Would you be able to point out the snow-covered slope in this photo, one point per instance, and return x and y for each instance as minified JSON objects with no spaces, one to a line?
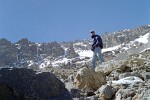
{"x":63,"y":60}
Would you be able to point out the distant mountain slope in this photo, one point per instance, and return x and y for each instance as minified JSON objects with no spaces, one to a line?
{"x":71,"y":54}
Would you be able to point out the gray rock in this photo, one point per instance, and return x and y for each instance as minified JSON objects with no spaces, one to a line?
{"x":25,"y":83}
{"x":124,"y":93}
{"x":8,"y":52}
{"x":145,"y":95}
{"x":75,"y":93}
{"x":78,"y":98}
{"x":93,"y":98}
{"x":106,"y":91}
{"x":146,"y":76}
{"x":71,"y":52}
{"x":129,"y":98}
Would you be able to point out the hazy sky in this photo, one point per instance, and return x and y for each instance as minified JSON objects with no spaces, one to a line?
{"x":65,"y":20}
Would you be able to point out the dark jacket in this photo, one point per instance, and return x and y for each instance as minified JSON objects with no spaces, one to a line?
{"x":97,"y":42}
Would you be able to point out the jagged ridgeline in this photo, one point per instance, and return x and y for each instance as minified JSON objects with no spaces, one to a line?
{"x":61,"y":71}
{"x":25,"y":53}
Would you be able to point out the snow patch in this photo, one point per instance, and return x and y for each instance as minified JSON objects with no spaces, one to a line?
{"x":111,"y":48}
{"x":121,"y":36}
{"x":30,"y":62}
{"x":85,"y":53}
{"x":65,"y":54}
{"x":129,"y":80}
{"x":44,"y":63}
{"x":38,"y":44}
{"x":143,"y":39}
{"x":80,"y":43}
{"x":60,"y":61}
{"x":144,"y":50}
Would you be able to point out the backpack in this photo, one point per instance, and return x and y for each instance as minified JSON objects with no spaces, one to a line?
{"x":101,"y":42}
{"x":101,"y":46}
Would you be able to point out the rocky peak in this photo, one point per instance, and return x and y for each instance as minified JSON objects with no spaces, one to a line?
{"x":4,"y":41}
{"x":124,"y":36}
{"x":7,"y":52}
{"x":53,"y":49}
{"x":71,"y":52}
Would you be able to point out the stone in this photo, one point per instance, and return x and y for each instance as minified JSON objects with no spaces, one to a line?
{"x":7,"y":94}
{"x":106,"y":91}
{"x":106,"y":69}
{"x":75,"y":93}
{"x":27,"y":84}
{"x":125,"y":93}
{"x":135,"y":97}
{"x":147,"y":66}
{"x":146,"y":76}
{"x":93,"y":98}
{"x":88,"y":79}
{"x":118,"y":96}
{"x":138,"y":61}
{"x":71,"y":52}
{"x":145,"y":95}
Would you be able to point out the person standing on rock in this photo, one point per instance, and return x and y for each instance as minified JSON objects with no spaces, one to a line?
{"x":96,"y":47}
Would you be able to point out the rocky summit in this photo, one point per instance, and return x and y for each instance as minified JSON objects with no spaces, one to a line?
{"x":62,"y":71}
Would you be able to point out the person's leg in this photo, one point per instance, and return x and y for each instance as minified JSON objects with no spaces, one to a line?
{"x":94,"y":59}
{"x":99,"y":55}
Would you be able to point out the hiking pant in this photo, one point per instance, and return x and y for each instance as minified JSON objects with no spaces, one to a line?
{"x":97,"y":56}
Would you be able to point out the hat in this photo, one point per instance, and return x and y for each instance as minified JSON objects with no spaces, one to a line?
{"x":92,"y":31}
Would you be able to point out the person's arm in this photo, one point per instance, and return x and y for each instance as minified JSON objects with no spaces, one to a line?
{"x":97,"y":41}
{"x":94,"y":44}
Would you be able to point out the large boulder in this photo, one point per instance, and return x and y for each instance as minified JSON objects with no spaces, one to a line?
{"x":88,"y":79}
{"x":27,"y":84}
{"x":105,"y":68}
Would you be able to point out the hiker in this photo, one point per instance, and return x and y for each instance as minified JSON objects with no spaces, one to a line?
{"x":96,"y":48}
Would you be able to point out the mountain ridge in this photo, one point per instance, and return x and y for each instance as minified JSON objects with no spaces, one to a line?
{"x":40,"y":55}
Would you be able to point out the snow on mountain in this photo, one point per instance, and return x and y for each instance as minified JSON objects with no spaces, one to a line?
{"x":143,"y":39}
{"x":40,"y":55}
{"x":88,"y":53}
{"x":85,"y":53}
{"x":111,"y":48}
{"x":145,"y":50}
{"x":60,"y":61}
{"x":80,"y":43}
{"x":45,"y":63}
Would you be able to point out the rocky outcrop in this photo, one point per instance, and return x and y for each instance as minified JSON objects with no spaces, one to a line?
{"x":88,"y":79}
{"x":8,"y":52}
{"x":27,"y":84}
{"x":71,"y":52}
{"x":26,"y":49}
{"x":125,"y":36}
